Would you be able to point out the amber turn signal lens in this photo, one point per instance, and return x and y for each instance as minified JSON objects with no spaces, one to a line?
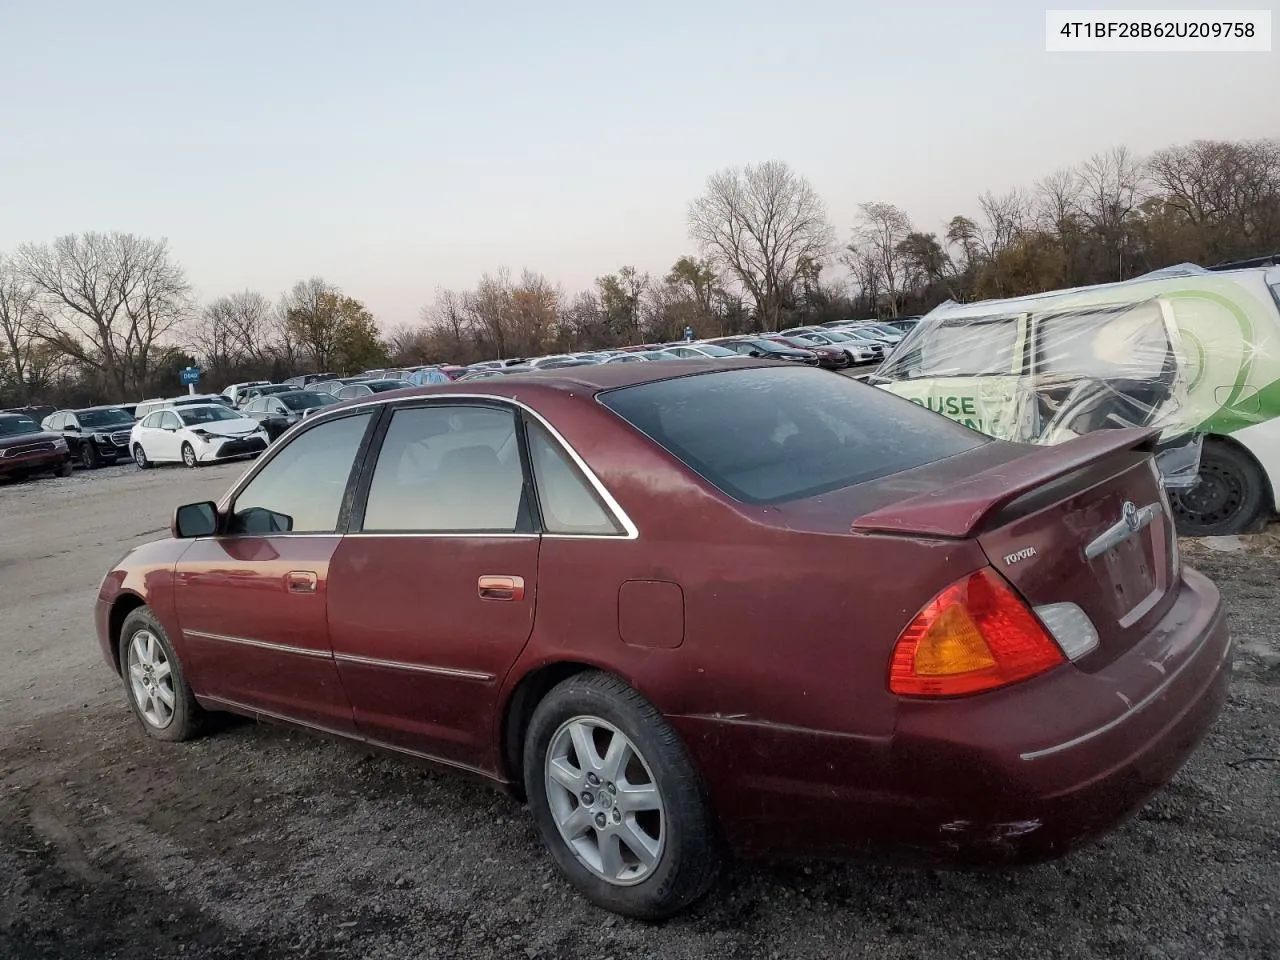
{"x":975,"y":635}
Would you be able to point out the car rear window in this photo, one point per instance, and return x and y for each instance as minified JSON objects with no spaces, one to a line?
{"x":773,"y":435}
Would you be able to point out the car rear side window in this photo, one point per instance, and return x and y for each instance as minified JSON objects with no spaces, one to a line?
{"x":447,"y":469}
{"x":773,"y":435}
{"x":306,"y":481}
{"x":568,"y":504}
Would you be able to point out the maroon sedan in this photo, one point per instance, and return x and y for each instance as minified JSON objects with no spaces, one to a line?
{"x":26,"y":449}
{"x":581,"y":585}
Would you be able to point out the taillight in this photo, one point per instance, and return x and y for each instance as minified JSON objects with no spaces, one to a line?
{"x":975,"y":635}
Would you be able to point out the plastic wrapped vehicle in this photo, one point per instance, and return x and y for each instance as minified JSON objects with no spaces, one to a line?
{"x":1190,"y":352}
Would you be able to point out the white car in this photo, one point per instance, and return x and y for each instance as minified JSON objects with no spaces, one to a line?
{"x":195,"y":434}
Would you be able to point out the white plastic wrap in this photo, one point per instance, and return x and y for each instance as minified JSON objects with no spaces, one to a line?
{"x":1044,"y":371}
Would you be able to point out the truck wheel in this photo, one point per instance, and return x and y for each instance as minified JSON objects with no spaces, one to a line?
{"x":1230,"y":495}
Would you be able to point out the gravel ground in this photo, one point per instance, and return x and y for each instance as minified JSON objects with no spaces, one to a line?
{"x":262,"y":842}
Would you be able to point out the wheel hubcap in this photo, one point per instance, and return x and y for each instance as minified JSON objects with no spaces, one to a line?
{"x":1218,"y":495}
{"x":139,"y":457}
{"x":151,"y":679}
{"x":605,"y":801}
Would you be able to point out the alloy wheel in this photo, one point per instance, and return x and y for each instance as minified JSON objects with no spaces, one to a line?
{"x":605,"y":801}
{"x":151,"y":679}
{"x":188,"y":455}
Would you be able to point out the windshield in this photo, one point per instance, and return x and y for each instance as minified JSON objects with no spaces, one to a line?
{"x":193,"y":415}
{"x":767,"y":435}
{"x":16,"y":426}
{"x":970,"y":347}
{"x":92,"y":419}
{"x":306,"y":400}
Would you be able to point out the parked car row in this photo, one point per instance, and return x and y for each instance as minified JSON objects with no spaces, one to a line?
{"x":246,"y":417}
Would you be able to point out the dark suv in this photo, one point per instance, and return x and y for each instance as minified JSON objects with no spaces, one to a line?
{"x":95,"y":435}
{"x":25,"y":449}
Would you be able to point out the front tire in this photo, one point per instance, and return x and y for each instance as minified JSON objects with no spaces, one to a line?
{"x":64,"y":468}
{"x":89,"y":458}
{"x":154,"y":682}
{"x":617,"y":800}
{"x":189,"y":455}
{"x":1230,"y":497}
{"x":140,"y":457}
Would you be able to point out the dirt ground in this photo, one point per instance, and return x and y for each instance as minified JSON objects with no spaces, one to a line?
{"x":259,"y":842}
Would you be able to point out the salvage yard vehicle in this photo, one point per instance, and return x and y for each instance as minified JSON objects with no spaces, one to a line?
{"x":1191,"y":352}
{"x":194,"y":434}
{"x":579,"y":584}
{"x":26,"y":449}
{"x":278,"y":412}
{"x":95,"y":435}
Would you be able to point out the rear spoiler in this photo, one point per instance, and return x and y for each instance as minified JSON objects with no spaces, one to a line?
{"x":956,"y":511}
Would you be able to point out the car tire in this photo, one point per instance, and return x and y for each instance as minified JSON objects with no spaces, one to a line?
{"x":140,"y":457}
{"x":89,"y":458}
{"x":1231,"y":494}
{"x":154,"y":682}
{"x":189,"y":455}
{"x":65,"y":468}
{"x":681,"y":830}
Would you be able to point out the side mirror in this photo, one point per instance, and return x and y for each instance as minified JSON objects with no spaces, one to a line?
{"x":755,"y":353}
{"x":195,"y":520}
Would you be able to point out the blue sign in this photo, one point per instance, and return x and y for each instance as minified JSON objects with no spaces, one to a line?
{"x":190,"y":375}
{"x":688,"y":333}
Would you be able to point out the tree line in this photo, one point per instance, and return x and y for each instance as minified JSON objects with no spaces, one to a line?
{"x":111,"y":316}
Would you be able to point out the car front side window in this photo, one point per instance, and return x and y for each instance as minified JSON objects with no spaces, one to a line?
{"x":301,"y":489}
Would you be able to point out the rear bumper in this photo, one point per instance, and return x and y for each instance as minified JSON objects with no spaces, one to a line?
{"x":1019,"y":775}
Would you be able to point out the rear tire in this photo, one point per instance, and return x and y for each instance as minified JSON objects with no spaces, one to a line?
{"x":1230,"y":497}
{"x":154,"y":681}
{"x":672,"y":819}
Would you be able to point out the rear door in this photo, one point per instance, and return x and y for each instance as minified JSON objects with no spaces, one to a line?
{"x":432,"y":593}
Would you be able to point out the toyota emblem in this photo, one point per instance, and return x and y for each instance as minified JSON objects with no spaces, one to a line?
{"x":1129,"y":514}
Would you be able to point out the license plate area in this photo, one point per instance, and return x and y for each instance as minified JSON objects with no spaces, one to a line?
{"x":1134,"y":574}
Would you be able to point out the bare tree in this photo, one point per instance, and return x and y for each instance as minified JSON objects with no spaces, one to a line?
{"x":19,"y":344}
{"x":760,"y":223}
{"x":311,"y":322}
{"x":879,"y":234}
{"x":107,"y":300}
{"x":1110,"y":190}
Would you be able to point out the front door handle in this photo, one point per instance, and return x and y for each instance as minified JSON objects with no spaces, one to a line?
{"x":300,"y":581}
{"x":501,"y":588}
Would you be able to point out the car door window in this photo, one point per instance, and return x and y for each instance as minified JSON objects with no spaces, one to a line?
{"x":170,"y":421}
{"x":568,"y":504}
{"x":447,"y":469}
{"x":301,"y":488}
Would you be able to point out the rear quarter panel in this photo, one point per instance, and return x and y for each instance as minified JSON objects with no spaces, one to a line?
{"x":781,"y":627}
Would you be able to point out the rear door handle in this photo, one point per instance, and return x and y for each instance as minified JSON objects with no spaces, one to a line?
{"x":501,"y":588}
{"x":300,"y":581}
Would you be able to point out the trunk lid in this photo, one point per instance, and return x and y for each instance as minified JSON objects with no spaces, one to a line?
{"x":1085,"y":522}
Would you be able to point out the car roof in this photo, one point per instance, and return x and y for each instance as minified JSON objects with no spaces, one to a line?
{"x":100,"y":406}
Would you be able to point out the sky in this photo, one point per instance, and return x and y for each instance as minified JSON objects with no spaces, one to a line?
{"x":395,"y":148}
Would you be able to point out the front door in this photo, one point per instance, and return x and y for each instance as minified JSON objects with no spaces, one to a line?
{"x":432,"y":593}
{"x":252,"y":601}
